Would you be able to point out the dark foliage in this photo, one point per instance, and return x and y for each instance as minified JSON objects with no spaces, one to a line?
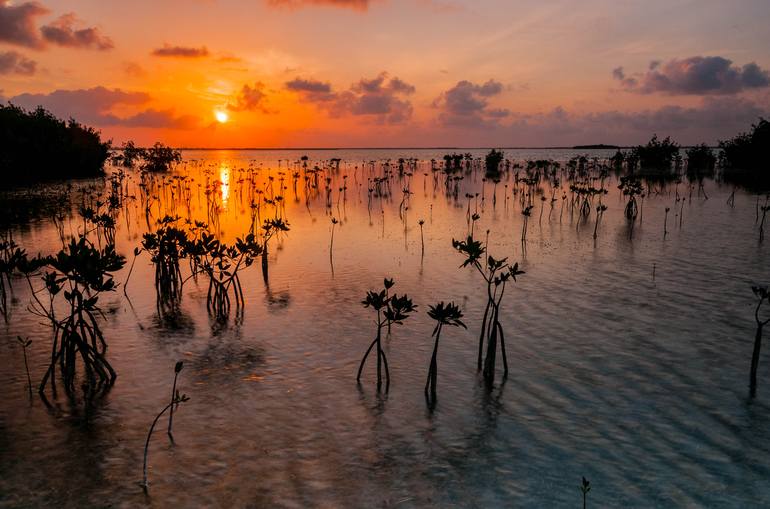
{"x":746,"y":157}
{"x":656,"y":159}
{"x":37,"y":146}
{"x":701,"y":162}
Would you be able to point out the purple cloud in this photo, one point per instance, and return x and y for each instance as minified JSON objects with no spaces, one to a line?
{"x":694,"y":76}
{"x":17,"y":23}
{"x":169,"y":51}
{"x":63,"y":33}
{"x":468,"y":104}
{"x":12,"y":62}
{"x":381,"y":98}
{"x":93,"y":106}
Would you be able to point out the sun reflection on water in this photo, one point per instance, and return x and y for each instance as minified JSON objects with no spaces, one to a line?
{"x":224,"y":178}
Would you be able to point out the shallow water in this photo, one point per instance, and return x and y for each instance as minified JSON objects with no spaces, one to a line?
{"x":629,"y":359}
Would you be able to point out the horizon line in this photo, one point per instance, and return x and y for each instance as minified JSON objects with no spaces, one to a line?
{"x":331,"y":149}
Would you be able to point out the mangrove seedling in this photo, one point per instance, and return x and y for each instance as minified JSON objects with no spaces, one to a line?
{"x":391,"y":309}
{"x":12,"y":259}
{"x":270,"y":229}
{"x":421,"y":222}
{"x":444,"y":314}
{"x":24,"y":344}
{"x":585,"y":487}
{"x":527,"y":212}
{"x":177,"y":368}
{"x":496,"y":273}
{"x":166,"y":247}
{"x":221,"y":264}
{"x":331,"y":242}
{"x":599,"y":213}
{"x":176,"y":400}
{"x":762,"y":294}
{"x":80,"y":273}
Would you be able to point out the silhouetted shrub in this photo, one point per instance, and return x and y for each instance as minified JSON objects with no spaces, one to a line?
{"x":745,"y":158}
{"x":159,"y":158}
{"x":655,"y":159}
{"x":492,"y":162}
{"x":701,"y":162}
{"x":36,"y":146}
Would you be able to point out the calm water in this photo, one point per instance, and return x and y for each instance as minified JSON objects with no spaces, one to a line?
{"x":629,"y":358}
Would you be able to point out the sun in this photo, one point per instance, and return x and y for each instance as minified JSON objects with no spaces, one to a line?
{"x":221,"y":116}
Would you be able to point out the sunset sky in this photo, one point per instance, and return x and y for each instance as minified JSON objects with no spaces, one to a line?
{"x":387,"y":73}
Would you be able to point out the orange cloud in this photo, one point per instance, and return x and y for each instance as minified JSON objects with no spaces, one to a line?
{"x":181,"y":52}
{"x":62,"y":32}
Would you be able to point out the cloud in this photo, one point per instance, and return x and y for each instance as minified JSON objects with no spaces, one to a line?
{"x":94,"y":106}
{"x":468,"y":104}
{"x":713,"y":119}
{"x":134,"y":70}
{"x":310,"y":86}
{"x":152,"y":118}
{"x":694,"y":76}
{"x":381,"y":98}
{"x":250,"y":99}
{"x":359,"y":5}
{"x":17,"y":23}
{"x":181,"y":52}
{"x":63,"y":33}
{"x":12,"y":62}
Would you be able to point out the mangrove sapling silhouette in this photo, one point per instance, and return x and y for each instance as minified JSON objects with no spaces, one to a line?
{"x":159,"y":158}
{"x":270,"y":228}
{"x":177,"y":369}
{"x":599,"y":213}
{"x":391,"y":309}
{"x":166,"y":247}
{"x":421,"y":222}
{"x":331,"y":241}
{"x":496,"y":274}
{"x":24,"y":344}
{"x":762,"y":294}
{"x":130,"y":155}
{"x":585,"y":487}
{"x":176,"y":400}
{"x":444,"y":314}
{"x":631,"y":187}
{"x":80,"y":273}
{"x":527,"y":212}
{"x":221,"y":263}
{"x":12,"y":259}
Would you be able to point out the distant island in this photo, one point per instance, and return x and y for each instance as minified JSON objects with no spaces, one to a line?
{"x":600,"y":146}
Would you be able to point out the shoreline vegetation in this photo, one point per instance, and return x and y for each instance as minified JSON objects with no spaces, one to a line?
{"x":50,"y":149}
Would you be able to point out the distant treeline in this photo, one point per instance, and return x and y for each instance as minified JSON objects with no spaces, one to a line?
{"x":35,"y":146}
{"x":742,"y":160}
